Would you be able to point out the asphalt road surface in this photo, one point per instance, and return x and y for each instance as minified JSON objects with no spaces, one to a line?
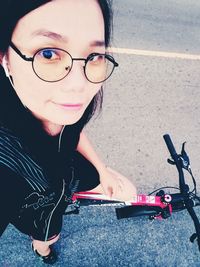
{"x":150,"y":94}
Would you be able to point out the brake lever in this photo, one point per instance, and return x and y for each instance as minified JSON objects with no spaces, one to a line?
{"x":185,"y":161}
{"x":170,"y":161}
{"x":184,"y":158}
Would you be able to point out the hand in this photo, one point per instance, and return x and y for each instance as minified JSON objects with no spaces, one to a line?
{"x":117,"y":186}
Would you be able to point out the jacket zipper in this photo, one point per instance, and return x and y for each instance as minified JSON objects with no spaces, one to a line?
{"x":49,"y":222}
{"x":63,"y":189}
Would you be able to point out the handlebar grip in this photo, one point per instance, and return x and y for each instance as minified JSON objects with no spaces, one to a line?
{"x":170,"y":145}
{"x":135,"y":211}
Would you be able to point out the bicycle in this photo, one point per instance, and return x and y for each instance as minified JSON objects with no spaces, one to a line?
{"x":159,"y":206}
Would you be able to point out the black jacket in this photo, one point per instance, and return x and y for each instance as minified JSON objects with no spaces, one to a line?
{"x":34,"y":189}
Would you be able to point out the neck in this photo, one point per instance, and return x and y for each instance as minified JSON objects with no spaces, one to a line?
{"x":52,"y":129}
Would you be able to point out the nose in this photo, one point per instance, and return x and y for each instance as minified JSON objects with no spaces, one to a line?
{"x":75,"y":80}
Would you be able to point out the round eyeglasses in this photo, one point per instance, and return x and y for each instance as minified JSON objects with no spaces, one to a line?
{"x":54,"y":64}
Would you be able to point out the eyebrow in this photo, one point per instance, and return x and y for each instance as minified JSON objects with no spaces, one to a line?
{"x":58,"y":37}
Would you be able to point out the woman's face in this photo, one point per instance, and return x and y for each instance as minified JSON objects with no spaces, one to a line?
{"x":75,"y":26}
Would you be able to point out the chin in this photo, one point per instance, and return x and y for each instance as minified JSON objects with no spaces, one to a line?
{"x":68,"y":120}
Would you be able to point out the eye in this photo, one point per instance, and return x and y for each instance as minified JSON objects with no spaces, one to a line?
{"x":96,"y":58}
{"x":49,"y":54}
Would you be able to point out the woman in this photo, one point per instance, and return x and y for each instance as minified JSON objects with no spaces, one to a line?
{"x":54,"y":63}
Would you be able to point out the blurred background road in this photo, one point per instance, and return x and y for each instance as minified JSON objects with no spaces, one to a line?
{"x":147,"y":97}
{"x":171,"y":25}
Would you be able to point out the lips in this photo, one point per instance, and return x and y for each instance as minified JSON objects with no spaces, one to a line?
{"x":71,"y":106}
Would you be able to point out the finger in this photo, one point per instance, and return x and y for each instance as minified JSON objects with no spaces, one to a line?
{"x":108,"y":191}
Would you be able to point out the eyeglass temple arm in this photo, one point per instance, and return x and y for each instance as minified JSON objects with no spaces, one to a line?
{"x":19,"y":53}
{"x":112,"y":60}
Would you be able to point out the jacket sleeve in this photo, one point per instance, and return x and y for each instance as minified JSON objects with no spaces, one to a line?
{"x":11,"y":193}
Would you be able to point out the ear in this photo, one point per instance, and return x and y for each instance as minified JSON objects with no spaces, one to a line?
{"x":4,"y":64}
{"x":1,"y":57}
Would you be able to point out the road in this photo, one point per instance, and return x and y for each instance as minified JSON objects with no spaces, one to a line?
{"x":172,"y":25}
{"x":148,"y":96}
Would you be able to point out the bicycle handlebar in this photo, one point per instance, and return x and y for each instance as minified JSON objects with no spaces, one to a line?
{"x":170,"y":145}
{"x":182,"y":162}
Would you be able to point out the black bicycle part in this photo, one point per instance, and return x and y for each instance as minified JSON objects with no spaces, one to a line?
{"x":177,"y":160}
{"x":182,"y":162}
{"x":135,"y":211}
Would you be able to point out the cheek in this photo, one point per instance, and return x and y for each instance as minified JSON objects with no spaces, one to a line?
{"x":27,"y":86}
{"x":19,"y":68}
{"x":93,"y":89}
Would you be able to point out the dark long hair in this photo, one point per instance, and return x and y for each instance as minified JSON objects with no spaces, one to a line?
{"x":12,"y":113}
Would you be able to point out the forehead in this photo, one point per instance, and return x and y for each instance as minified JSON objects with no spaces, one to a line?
{"x":70,"y":19}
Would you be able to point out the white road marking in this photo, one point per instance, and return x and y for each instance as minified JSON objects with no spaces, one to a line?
{"x":150,"y":53}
